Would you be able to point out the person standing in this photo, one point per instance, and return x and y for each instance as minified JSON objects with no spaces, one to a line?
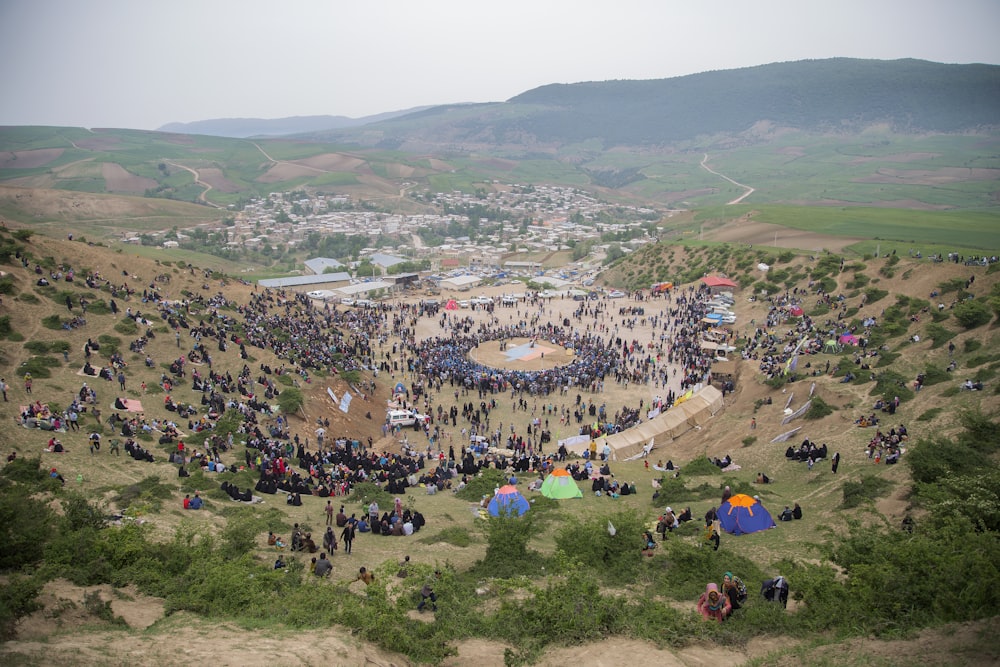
{"x":27,"y":383}
{"x":121,"y":380}
{"x":330,"y":540}
{"x":329,"y":513}
{"x":836,"y":462}
{"x":3,"y":388}
{"x":347,"y":537}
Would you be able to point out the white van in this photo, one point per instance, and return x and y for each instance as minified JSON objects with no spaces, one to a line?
{"x":404,"y":418}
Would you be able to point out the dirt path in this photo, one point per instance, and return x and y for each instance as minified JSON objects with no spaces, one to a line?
{"x":198,"y":181}
{"x":749,"y":190}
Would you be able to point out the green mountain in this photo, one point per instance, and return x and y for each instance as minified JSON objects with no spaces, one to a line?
{"x":840,"y":95}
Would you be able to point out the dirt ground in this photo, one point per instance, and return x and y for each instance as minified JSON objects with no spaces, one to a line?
{"x":748,"y":231}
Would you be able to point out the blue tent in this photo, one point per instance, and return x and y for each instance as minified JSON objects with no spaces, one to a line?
{"x":744,"y":514}
{"x":509,"y":501}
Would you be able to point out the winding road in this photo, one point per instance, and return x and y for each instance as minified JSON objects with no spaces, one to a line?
{"x":749,"y":190}
{"x":197,"y":181}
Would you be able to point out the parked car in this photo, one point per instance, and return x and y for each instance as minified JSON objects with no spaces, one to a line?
{"x":616,"y":294}
{"x":404,"y":418}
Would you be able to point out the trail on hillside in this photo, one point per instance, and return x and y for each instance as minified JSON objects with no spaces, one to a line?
{"x":749,"y":190}
{"x":198,"y":181}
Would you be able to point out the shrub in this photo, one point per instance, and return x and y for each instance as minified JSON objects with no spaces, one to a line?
{"x":52,"y":322}
{"x":874,"y":295}
{"x":507,"y":553}
{"x":5,"y":328}
{"x":98,"y":307}
{"x":972,"y":314}
{"x":971,"y":345}
{"x":453,"y":535}
{"x":28,"y":297}
{"x":366,"y":492}
{"x":127,"y":326}
{"x":934,"y":375}
{"x":149,"y":492}
{"x":938,"y":334}
{"x":889,"y":384}
{"x":864,"y":490}
{"x":818,"y":409}
{"x":18,"y":598}
{"x":39,"y":366}
{"x":701,"y":465}
{"x":613,"y":558}
{"x":290,"y":400}
{"x":930,"y":414}
{"x":109,"y":344}
{"x":482,"y":484}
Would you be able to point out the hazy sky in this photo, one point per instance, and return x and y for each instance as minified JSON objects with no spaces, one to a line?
{"x":141,"y":64}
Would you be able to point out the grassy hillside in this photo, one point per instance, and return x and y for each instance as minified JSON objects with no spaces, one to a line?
{"x":519,"y":590}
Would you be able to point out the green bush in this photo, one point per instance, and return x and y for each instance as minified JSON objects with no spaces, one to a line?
{"x":52,"y":322}
{"x":818,"y":409}
{"x":127,"y":327}
{"x":98,"y":307}
{"x":507,"y":552}
{"x":929,"y":415}
{"x":972,"y":314}
{"x":482,"y":484}
{"x":39,"y":366}
{"x":28,"y":297}
{"x":701,"y":465}
{"x":612,"y":558}
{"x":453,"y":535}
{"x":109,"y":344}
{"x":18,"y":598}
{"x":971,"y":345}
{"x":874,"y":295}
{"x":934,"y":375}
{"x":5,"y":327}
{"x":291,"y":400}
{"x":864,"y":490}
{"x":939,"y":335}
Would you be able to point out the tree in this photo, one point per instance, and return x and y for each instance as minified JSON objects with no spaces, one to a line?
{"x":291,"y":400}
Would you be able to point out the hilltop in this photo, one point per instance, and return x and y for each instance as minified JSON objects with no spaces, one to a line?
{"x":912,"y":337}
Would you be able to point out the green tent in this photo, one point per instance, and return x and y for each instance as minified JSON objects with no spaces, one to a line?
{"x":560,"y":484}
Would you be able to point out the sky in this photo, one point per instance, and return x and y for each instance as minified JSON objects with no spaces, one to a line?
{"x":139,"y":64}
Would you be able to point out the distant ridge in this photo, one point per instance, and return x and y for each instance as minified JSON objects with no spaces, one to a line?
{"x":833,"y":95}
{"x":239,"y":128}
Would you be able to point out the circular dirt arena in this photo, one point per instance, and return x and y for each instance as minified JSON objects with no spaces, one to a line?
{"x":520,"y":354}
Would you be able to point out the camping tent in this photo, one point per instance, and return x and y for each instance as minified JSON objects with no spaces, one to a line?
{"x":831,"y":347}
{"x":744,"y":514}
{"x":795,"y":311}
{"x":848,"y":339}
{"x":508,"y":501}
{"x":451,"y":305}
{"x":560,"y":484}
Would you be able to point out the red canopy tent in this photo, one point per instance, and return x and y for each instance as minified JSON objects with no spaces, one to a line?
{"x":716,"y":281}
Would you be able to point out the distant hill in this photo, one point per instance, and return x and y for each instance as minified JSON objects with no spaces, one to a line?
{"x":240,"y":128}
{"x":834,"y":95}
